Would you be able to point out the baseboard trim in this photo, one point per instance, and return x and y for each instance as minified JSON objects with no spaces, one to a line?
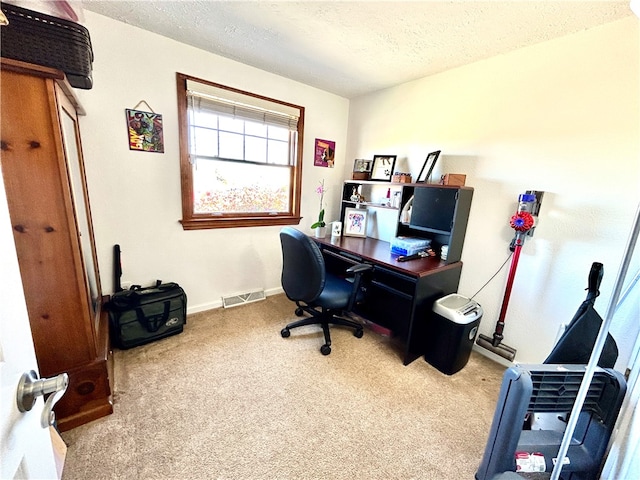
{"x":218,"y":303}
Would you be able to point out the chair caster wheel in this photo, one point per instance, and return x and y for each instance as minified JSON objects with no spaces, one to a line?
{"x":325,"y":349}
{"x":285,"y":332}
{"x":358,"y":333}
{"x":299,"y":312}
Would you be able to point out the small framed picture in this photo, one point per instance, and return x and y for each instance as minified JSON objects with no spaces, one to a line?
{"x":355,"y":222}
{"x":336,"y":229}
{"x":361,"y":165}
{"x":361,"y":169}
{"x":382,"y":168}
{"x":427,"y":167}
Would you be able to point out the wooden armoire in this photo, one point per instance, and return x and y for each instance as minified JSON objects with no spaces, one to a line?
{"x":43,"y":171}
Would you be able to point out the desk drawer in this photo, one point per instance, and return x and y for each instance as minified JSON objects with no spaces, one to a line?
{"x":389,"y":300}
{"x":401,"y":285}
{"x":387,"y":308}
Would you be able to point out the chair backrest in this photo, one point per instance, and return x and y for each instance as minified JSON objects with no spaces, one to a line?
{"x":303,"y":268}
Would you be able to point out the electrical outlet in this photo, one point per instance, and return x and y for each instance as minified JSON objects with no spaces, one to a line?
{"x":126,"y":285}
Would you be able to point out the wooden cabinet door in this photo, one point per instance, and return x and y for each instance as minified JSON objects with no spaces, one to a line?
{"x":34,"y":172}
{"x":79,"y":197}
{"x":43,"y":173}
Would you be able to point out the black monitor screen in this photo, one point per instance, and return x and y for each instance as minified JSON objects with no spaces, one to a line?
{"x":433,"y":208}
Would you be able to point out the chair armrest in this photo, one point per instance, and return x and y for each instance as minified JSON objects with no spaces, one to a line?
{"x":357,"y":270}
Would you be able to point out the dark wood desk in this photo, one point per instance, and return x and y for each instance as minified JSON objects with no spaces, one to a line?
{"x":399,"y":295}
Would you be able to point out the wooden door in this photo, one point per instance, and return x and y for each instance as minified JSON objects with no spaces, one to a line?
{"x":25,"y":447}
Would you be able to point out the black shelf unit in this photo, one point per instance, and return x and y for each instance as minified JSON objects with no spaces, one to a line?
{"x":439,"y":213}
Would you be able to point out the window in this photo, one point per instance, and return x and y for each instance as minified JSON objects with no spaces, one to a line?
{"x":240,"y":157}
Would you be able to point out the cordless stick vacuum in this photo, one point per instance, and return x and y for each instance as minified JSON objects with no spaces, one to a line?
{"x":523,"y":222}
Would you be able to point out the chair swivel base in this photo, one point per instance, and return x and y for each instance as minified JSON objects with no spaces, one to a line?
{"x":334,"y":320}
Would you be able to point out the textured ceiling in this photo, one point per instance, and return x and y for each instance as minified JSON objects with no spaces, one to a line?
{"x":352,"y":48}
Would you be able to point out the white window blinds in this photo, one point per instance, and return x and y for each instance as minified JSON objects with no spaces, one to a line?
{"x":221,"y":101}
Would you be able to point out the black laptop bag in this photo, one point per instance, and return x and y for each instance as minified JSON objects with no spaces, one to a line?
{"x":141,"y":315}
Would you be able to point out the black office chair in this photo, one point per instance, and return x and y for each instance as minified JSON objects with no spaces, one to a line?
{"x":324,"y":296}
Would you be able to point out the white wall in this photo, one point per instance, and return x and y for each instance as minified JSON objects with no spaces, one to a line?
{"x":135,"y":196}
{"x":562,"y":117}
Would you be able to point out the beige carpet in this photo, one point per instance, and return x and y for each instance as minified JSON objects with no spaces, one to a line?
{"x":229,"y":398}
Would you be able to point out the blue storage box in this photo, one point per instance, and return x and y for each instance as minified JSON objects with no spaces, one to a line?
{"x":409,"y":245}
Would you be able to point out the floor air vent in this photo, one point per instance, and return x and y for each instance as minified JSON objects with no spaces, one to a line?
{"x":243,"y":298}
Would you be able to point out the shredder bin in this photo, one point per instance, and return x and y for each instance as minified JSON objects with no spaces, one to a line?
{"x":452,"y":330}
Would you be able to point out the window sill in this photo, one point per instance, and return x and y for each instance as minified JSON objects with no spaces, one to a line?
{"x":202,"y":223}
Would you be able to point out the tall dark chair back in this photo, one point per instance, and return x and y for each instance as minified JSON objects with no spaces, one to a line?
{"x":303,"y":269}
{"x":327,"y":298}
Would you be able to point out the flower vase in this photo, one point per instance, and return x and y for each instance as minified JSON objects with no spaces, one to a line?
{"x":320,"y":232}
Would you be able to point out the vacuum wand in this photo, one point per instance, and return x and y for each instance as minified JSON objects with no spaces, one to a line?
{"x":523,"y":223}
{"x":495,"y":344}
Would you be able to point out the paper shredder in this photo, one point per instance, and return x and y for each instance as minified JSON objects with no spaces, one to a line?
{"x":452,"y":331}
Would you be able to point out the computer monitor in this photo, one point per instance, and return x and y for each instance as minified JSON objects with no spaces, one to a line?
{"x":433,"y":209}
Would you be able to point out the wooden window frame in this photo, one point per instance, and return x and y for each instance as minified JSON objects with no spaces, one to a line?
{"x":199,"y":221}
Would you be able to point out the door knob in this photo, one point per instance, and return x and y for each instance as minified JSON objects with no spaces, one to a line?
{"x":30,"y":388}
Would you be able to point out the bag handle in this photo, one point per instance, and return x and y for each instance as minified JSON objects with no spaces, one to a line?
{"x":595,"y":277}
{"x":153,"y":323}
{"x":131,"y":298}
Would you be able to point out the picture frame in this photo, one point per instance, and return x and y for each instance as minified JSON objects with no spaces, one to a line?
{"x":382,"y":167}
{"x":427,"y":167}
{"x":336,"y":229}
{"x":361,"y":169}
{"x":145,"y":131}
{"x":355,"y":222}
{"x":362,"y":165}
{"x":325,"y":153}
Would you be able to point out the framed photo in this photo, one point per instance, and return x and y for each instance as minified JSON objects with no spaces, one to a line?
{"x":355,"y":222}
{"x":382,"y":168}
{"x":427,"y":167}
{"x":362,"y":165}
{"x":361,"y":169}
{"x":336,"y":229}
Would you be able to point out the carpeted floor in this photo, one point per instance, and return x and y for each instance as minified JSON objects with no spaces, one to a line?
{"x":230,"y":399}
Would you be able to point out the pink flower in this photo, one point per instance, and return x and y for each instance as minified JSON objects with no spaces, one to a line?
{"x":320,"y":191}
